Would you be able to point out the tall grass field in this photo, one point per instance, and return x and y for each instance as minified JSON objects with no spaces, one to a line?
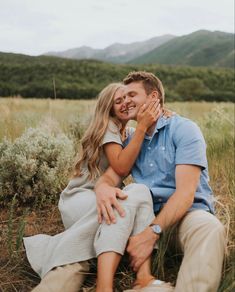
{"x":39,"y":139}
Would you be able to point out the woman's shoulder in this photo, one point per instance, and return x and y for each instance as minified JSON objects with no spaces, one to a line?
{"x":112,"y":134}
{"x":112,"y":127}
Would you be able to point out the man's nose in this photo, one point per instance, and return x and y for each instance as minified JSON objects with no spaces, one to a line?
{"x":127,"y":99}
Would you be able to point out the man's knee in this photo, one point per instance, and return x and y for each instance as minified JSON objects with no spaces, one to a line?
{"x":213,"y":224}
{"x":220,"y":235}
{"x":138,"y":194}
{"x":201,"y":225}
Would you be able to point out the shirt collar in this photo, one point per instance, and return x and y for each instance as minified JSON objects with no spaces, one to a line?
{"x":161,"y":123}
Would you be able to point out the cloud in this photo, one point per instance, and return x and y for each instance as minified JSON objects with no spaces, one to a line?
{"x":37,"y":26}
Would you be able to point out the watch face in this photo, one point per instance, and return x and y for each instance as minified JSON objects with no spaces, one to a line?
{"x":157,"y":229}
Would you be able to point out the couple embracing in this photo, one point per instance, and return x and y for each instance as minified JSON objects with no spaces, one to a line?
{"x":166,"y":156}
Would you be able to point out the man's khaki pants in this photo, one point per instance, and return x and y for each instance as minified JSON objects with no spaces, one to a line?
{"x":202,"y":239}
{"x":68,"y":278}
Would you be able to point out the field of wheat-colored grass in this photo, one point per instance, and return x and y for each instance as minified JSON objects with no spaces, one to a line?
{"x":71,"y":117}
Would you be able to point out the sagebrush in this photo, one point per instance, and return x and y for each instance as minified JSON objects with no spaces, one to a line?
{"x":35,"y":167}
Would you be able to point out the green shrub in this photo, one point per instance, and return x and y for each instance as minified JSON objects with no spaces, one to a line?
{"x":190,"y":88}
{"x":35,"y":167}
{"x":217,"y":95}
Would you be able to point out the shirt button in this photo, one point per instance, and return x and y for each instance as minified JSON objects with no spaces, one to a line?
{"x":163,"y":148}
{"x":149,"y":148}
{"x":159,"y":200}
{"x":151,"y":164}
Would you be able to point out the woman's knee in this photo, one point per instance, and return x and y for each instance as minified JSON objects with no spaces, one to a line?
{"x":138,"y":194}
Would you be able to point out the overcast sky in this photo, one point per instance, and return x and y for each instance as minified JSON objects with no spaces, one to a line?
{"x":37,"y":26}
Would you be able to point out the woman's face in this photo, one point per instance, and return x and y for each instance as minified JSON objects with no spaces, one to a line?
{"x":119,"y":107}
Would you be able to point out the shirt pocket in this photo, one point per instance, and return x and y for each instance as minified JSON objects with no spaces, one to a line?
{"x":166,"y":159}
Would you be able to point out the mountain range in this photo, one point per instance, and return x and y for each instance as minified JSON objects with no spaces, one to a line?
{"x":200,"y":48}
{"x":115,"y":53}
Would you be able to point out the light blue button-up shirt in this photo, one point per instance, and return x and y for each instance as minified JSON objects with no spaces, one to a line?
{"x":175,"y":140}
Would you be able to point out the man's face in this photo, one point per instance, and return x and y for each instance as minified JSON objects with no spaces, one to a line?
{"x":135,"y":97}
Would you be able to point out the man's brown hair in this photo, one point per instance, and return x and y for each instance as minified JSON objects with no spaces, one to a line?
{"x":150,"y":83}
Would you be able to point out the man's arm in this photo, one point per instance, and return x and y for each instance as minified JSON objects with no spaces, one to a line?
{"x":106,"y":196}
{"x":187,"y":177}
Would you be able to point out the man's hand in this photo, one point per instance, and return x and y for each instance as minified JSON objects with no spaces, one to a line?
{"x":140,"y":247}
{"x":106,"y":198}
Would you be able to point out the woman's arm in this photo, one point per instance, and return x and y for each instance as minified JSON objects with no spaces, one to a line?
{"x":122,"y":159}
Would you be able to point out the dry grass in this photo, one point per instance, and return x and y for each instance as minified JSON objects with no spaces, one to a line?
{"x":217,"y":123}
{"x":18,"y":114}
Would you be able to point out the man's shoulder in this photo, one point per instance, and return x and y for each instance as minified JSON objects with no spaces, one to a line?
{"x":181,"y":127}
{"x":177,"y":121}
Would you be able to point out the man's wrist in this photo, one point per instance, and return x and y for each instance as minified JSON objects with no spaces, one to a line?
{"x":156,"y":228}
{"x":153,"y":234}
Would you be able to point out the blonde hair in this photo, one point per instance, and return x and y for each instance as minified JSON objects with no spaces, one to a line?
{"x":91,"y":141}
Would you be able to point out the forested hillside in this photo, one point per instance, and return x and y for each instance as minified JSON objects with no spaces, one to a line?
{"x":200,"y":48}
{"x":83,"y":79}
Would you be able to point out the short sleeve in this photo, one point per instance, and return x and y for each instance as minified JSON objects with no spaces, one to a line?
{"x":190,"y":144}
{"x":112,"y":134}
{"x":129,"y":133}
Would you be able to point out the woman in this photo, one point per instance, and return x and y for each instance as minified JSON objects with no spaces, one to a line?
{"x":84,"y":238}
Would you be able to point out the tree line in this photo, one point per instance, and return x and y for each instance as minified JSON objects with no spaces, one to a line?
{"x":43,"y":77}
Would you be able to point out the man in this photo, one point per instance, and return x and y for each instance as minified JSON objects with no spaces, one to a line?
{"x":172,"y":163}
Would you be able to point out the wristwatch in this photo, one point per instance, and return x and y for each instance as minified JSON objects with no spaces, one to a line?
{"x":156,"y":228}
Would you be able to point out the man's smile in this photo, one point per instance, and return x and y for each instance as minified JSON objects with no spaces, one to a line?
{"x":131,"y":107}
